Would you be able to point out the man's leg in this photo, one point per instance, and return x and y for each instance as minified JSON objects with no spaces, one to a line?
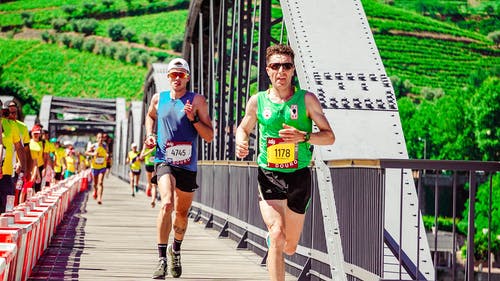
{"x":273,"y":214}
{"x":131,"y":180}
{"x":294,"y":222}
{"x":182,"y":204}
{"x":166,"y":185}
{"x":100,"y":187}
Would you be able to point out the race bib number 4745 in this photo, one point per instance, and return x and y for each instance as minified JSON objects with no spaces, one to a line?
{"x":280,"y":154}
{"x":178,"y":153}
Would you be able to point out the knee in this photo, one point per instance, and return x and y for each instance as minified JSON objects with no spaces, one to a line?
{"x":277,"y":236}
{"x":290,"y":249}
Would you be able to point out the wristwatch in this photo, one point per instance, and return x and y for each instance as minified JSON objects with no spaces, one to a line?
{"x":307,"y":136}
{"x":195,"y":120}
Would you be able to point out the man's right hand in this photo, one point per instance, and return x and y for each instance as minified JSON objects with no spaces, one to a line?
{"x":150,"y":141}
{"x":242,"y":149}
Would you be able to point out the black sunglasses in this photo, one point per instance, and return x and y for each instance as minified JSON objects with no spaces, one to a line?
{"x":276,"y":66}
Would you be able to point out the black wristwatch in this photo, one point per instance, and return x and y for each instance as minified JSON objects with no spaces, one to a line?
{"x":307,"y":136}
{"x":195,"y":120}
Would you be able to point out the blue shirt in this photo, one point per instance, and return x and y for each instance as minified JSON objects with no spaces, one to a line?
{"x":177,"y":141}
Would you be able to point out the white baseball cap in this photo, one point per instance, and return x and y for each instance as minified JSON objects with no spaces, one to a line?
{"x":178,"y":63}
{"x":133,"y":144}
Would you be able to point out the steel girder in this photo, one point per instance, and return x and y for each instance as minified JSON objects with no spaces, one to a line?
{"x":225,"y":42}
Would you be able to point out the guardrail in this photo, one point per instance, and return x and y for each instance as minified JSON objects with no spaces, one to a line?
{"x":227,"y":202}
{"x":26,"y":231}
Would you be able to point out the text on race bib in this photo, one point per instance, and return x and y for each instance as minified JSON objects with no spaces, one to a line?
{"x":280,"y":154}
{"x":178,"y":153}
{"x":99,"y":160}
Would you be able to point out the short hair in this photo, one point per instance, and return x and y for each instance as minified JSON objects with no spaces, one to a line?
{"x":279,"y":49}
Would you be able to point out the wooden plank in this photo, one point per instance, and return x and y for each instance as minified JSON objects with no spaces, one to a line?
{"x":117,"y":241}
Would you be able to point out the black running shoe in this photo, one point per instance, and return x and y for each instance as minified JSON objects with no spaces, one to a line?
{"x":175,"y":262}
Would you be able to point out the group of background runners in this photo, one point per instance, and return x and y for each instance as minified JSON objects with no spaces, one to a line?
{"x":31,"y":160}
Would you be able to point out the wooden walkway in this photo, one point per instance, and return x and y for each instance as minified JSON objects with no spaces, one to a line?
{"x":117,"y":241}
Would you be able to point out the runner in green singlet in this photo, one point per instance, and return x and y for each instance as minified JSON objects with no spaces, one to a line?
{"x":285,"y":117}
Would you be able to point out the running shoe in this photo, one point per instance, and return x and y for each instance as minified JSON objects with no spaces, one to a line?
{"x":161,"y":271}
{"x":175,"y":262}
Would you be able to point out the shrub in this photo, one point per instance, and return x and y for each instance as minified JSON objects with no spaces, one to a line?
{"x":146,"y":38}
{"x":176,"y":42}
{"x":129,"y":35}
{"x":115,"y":31}
{"x":121,"y":54}
{"x":88,"y":7}
{"x":58,"y":24}
{"x":134,"y":57}
{"x":45,"y":36}
{"x":77,"y":42}
{"x":144,"y":59}
{"x":495,"y":36}
{"x":66,"y":40}
{"x":27,"y":18}
{"x":111,"y":51}
{"x":108,"y":3}
{"x":88,"y":26}
{"x":101,"y":48}
{"x":431,"y":94}
{"x":69,"y":9}
{"x":160,"y":40}
{"x":89,"y":45}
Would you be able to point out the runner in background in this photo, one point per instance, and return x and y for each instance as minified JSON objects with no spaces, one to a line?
{"x":134,"y":159}
{"x":148,"y":154}
{"x":98,"y":154}
{"x":59,"y":155}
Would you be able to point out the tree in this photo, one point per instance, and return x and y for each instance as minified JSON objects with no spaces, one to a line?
{"x":58,"y":24}
{"x":115,"y":31}
{"x":28,"y":19}
{"x":88,"y":26}
{"x":485,"y":106}
{"x":108,"y":3}
{"x":481,"y":218}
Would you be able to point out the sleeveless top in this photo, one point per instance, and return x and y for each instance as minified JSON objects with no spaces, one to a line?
{"x":136,"y":165}
{"x":177,"y":138}
{"x":149,"y":157}
{"x":274,"y":154}
{"x":99,"y":160}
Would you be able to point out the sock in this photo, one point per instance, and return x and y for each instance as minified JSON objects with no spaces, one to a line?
{"x":176,"y":246}
{"x":162,"y":251}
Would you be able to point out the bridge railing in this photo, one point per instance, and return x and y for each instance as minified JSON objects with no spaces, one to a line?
{"x":227,"y":201}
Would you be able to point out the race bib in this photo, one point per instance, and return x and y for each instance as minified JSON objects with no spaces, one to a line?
{"x":99,"y":160}
{"x":280,"y":154}
{"x":178,"y":153}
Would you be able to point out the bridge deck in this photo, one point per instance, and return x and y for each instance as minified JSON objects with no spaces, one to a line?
{"x":117,"y":241}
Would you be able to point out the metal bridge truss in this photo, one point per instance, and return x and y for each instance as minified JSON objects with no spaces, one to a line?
{"x":337,"y":59}
{"x":63,"y":116}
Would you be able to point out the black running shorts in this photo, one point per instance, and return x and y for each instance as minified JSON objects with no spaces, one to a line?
{"x":185,"y":180}
{"x":295,"y":187}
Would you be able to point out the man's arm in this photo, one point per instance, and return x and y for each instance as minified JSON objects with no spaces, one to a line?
{"x":150,"y":140}
{"x":246,"y":127}
{"x":204,"y":126}
{"x":325,"y":136}
{"x":21,"y":155}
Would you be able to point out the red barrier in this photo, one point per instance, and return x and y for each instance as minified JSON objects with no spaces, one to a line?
{"x":30,"y":226}
{"x":8,"y":251}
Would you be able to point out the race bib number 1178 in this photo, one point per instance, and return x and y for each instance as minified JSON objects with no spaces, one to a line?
{"x":280,"y":154}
